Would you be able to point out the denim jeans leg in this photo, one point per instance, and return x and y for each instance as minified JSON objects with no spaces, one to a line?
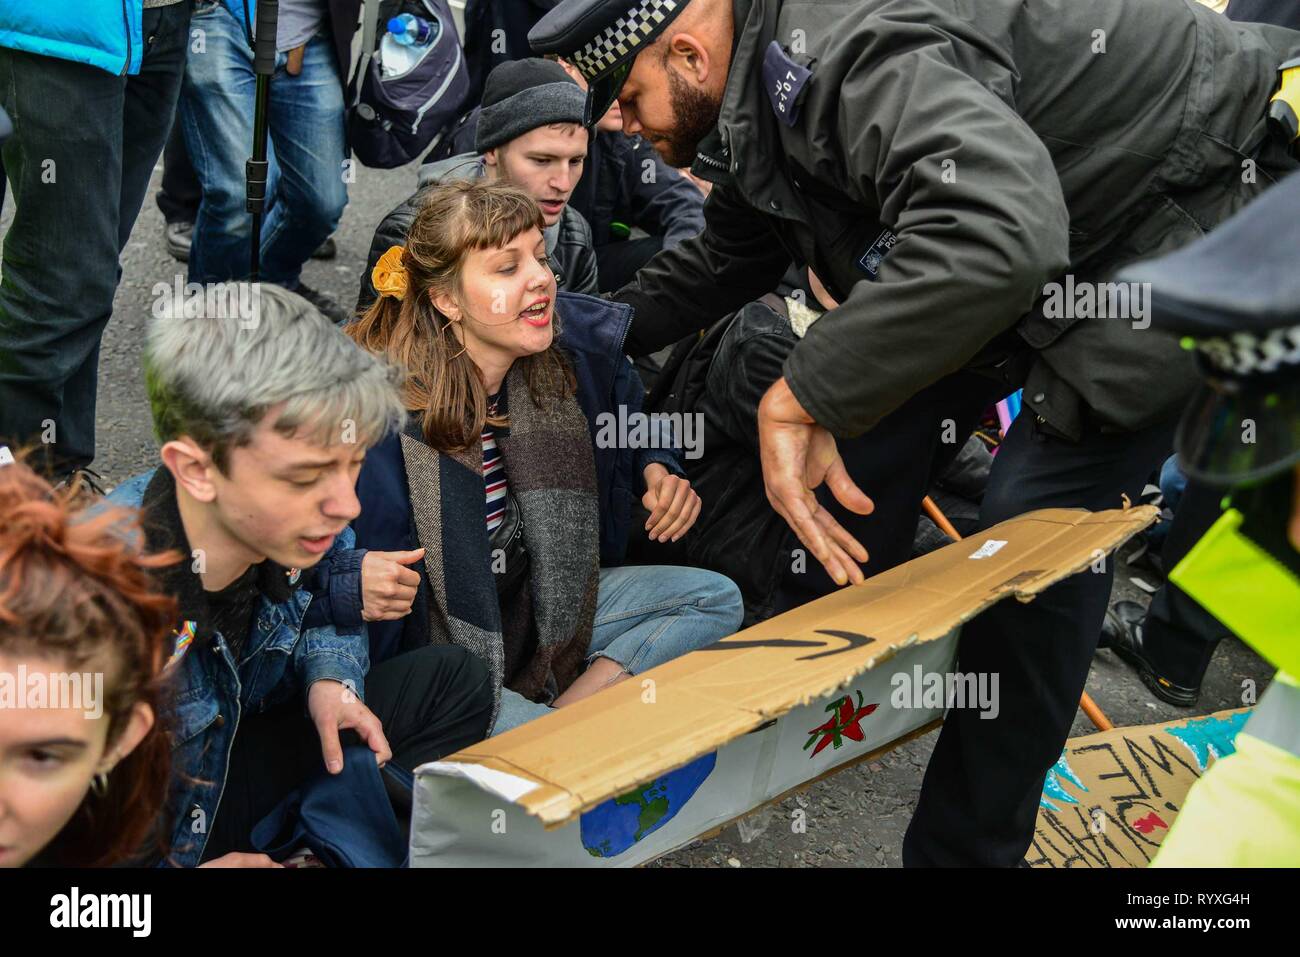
{"x":216,"y":112}
{"x":307,"y":133}
{"x":516,"y":710}
{"x":649,"y":614}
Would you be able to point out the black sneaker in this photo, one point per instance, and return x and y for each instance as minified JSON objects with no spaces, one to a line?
{"x":178,"y":237}
{"x":328,"y":305}
{"x":326,"y":250}
{"x":1121,"y":632}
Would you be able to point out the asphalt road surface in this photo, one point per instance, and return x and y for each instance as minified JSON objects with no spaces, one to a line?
{"x":854,"y":818}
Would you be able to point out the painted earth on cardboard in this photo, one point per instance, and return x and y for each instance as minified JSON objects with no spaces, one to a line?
{"x":611,"y":828}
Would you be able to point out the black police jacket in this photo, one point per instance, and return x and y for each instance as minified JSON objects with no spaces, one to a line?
{"x":939,"y":163}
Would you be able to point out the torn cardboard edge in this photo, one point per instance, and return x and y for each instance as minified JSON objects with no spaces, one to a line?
{"x":569,"y":761}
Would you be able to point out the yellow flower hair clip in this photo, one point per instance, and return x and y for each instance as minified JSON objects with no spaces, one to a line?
{"x":389,"y":275}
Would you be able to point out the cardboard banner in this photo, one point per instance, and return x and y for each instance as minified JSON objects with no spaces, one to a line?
{"x":652,"y":763}
{"x":479,"y":821}
{"x":1112,"y":797}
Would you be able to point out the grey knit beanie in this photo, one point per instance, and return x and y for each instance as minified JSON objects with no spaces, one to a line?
{"x":521,"y":95}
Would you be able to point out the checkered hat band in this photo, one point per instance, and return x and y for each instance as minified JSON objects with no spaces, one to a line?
{"x":1246,"y":354}
{"x":622,"y":37}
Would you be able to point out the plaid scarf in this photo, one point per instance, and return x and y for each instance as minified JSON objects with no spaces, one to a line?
{"x":549,"y":464}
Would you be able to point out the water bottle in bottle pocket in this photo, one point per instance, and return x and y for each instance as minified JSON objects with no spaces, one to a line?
{"x":407,"y":38}
{"x":412,"y":31}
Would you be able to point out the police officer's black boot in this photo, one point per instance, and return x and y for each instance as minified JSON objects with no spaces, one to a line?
{"x":1173,"y":670}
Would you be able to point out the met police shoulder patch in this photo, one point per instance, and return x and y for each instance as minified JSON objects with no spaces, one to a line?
{"x":784,"y":80}
{"x":870,"y":260}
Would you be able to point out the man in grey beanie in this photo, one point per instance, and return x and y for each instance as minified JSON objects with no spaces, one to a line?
{"x":531,"y":134}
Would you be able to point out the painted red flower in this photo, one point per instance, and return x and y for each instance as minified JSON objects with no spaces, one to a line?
{"x":843,"y":723}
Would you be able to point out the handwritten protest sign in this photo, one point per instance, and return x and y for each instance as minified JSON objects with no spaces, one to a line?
{"x":1112,"y":797}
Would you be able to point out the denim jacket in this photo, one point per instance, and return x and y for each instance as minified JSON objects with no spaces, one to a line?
{"x":280,"y":659}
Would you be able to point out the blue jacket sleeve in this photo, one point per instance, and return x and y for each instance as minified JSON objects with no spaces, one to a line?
{"x":331,"y":649}
{"x":336,"y":590}
{"x":630,"y":392}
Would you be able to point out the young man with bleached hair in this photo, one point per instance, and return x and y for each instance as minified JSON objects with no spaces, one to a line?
{"x":264,"y":420}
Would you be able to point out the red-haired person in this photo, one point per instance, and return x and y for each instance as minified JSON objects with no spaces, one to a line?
{"x":84,"y":638}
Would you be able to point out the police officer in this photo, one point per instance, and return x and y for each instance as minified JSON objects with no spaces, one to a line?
{"x":961,"y":177}
{"x":1235,"y":297}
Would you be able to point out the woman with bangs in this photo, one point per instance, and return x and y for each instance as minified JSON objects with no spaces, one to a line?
{"x":502,"y":512}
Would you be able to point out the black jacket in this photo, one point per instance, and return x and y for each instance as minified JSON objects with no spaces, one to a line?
{"x":941,"y":164}
{"x":1282,"y":13}
{"x":497,"y":31}
{"x":722,"y":376}
{"x":568,"y":242}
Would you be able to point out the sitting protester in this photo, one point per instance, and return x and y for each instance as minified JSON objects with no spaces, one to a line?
{"x":529,"y":134}
{"x":500,"y":471}
{"x":83,"y":776}
{"x":264,"y":423}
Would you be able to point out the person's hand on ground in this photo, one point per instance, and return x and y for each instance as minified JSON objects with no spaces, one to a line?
{"x":798,"y":455}
{"x":334,"y":706}
{"x":388,"y":587}
{"x":672,"y":503}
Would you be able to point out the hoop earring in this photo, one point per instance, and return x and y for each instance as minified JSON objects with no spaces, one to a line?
{"x":99,"y":784}
{"x":446,"y":326}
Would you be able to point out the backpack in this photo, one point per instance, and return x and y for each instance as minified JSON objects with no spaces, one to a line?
{"x":392,"y":119}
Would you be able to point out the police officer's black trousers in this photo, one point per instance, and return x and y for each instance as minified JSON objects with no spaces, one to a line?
{"x":979,"y":801}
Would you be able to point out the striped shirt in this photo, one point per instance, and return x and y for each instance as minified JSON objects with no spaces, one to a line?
{"x":494,"y":475}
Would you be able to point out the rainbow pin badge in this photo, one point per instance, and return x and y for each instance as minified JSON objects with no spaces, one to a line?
{"x":184,"y":638}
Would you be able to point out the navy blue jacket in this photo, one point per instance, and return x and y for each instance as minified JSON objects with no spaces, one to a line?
{"x":592,"y":332}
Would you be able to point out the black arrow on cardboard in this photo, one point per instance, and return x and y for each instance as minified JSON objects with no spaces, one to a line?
{"x":853,"y":639}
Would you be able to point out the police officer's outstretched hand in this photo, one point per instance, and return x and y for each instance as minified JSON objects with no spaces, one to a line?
{"x":798,"y":455}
